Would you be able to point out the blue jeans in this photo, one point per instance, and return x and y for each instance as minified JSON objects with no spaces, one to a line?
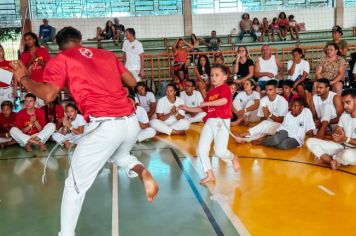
{"x":242,"y":33}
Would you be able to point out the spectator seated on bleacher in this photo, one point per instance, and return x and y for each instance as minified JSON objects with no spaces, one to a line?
{"x":7,"y":121}
{"x":246,"y":27}
{"x":275,"y":29}
{"x":265,"y":29}
{"x":256,"y":28}
{"x":332,"y":67}
{"x":107,"y":33}
{"x":213,"y":43}
{"x":283,"y":25}
{"x":119,"y":30}
{"x":341,"y":44}
{"x":202,"y":74}
{"x":244,"y":68}
{"x":46,"y":33}
{"x":293,"y":27}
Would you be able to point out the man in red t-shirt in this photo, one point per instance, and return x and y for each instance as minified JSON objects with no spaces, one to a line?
{"x":31,"y":127}
{"x":7,"y":121}
{"x":94,"y":78}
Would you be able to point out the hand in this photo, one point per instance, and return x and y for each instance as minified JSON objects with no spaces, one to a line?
{"x":240,"y":113}
{"x":174,"y":110}
{"x":142,"y":73}
{"x":339,"y":135}
{"x":266,"y":112}
{"x":19,"y":70}
{"x":33,"y":119}
{"x":271,"y":75}
{"x":204,"y":104}
{"x":182,"y":107}
{"x":66,"y":122}
{"x":317,"y":123}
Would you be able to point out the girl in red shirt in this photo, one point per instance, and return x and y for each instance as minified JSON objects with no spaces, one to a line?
{"x":283,"y":24}
{"x":7,"y":91}
{"x":218,"y":106}
{"x":180,"y":50}
{"x":34,"y":57}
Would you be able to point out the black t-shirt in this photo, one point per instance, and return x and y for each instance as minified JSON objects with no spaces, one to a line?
{"x":243,"y":68}
{"x":119,"y":27}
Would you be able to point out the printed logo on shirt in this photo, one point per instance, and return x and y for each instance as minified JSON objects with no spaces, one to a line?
{"x":301,"y":124}
{"x":86,"y":52}
{"x":133,"y":47}
{"x":213,"y":97}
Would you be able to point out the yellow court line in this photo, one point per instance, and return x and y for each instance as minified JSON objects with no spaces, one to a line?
{"x":115,"y":203}
{"x":235,"y":221}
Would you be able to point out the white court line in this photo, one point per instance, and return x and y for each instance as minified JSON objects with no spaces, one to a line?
{"x":235,"y":221}
{"x":115,"y":203}
{"x":326,"y":190}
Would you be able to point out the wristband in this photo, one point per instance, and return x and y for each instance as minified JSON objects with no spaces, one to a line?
{"x":348,"y":140}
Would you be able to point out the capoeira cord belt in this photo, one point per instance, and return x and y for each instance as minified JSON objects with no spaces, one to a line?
{"x":228,"y":129}
{"x":75,"y":140}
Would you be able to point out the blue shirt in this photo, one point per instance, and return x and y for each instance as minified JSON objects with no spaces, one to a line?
{"x":45,"y":31}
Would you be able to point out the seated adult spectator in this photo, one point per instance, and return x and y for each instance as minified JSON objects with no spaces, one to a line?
{"x":119,"y":30}
{"x":272,"y":110}
{"x":145,"y":98}
{"x":202,"y":74}
{"x":213,"y":43}
{"x":296,"y":124}
{"x":293,"y":28}
{"x":283,"y":24}
{"x":73,"y":125}
{"x":287,"y":92}
{"x":332,"y":67}
{"x":298,"y":71}
{"x":146,"y":132}
{"x":170,"y":120}
{"x":246,"y":103}
{"x":243,"y":66}
{"x":54,"y":113}
{"x":266,"y":67}
{"x":246,"y":27}
{"x":7,"y":121}
{"x":342,"y":150}
{"x":180,"y":48}
{"x":326,"y":108}
{"x":8,"y":91}
{"x":341,"y":43}
{"x":46,"y":33}
{"x":192,"y":98}
{"x":31,"y":127}
{"x":107,"y":33}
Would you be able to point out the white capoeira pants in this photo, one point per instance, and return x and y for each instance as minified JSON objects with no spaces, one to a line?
{"x":195,"y":119}
{"x":5,"y":140}
{"x":169,"y":125}
{"x":60,"y":138}
{"x":342,"y":154}
{"x":251,"y":115}
{"x":6,"y":94}
{"x":264,"y":128}
{"x":43,"y":135}
{"x":145,"y":134}
{"x":112,"y":140}
{"x":135,"y":74}
{"x":214,"y":130}
{"x":328,"y":112}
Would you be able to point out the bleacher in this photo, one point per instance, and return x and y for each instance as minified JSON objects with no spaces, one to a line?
{"x":159,"y":57}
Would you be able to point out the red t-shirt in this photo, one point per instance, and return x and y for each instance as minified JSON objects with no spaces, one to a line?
{"x":223,"y":112}
{"x":50,"y":114}
{"x":5,"y":65}
{"x":37,"y":70}
{"x":6,"y":123}
{"x":93,"y":77}
{"x":23,"y":120}
{"x":290,"y":99}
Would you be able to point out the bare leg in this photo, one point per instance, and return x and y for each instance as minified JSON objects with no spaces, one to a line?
{"x":236,"y":163}
{"x":209,"y":177}
{"x":326,"y":159}
{"x":335,"y":164}
{"x":178,"y":132}
{"x":236,"y":122}
{"x":28,"y":147}
{"x":322,"y":130}
{"x":150,"y":185}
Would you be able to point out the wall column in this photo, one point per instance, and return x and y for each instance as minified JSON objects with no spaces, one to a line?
{"x":187,"y":17}
{"x":25,"y":16}
{"x":339,"y":13}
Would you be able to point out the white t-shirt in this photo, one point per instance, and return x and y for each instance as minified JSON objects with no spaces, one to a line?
{"x":192,"y":101}
{"x":141,"y":115}
{"x":278,"y":107}
{"x":133,"y":51}
{"x":298,"y":126}
{"x":145,"y":101}
{"x":349,"y":126}
{"x":164,"y":106}
{"x":78,"y":121}
{"x":244,"y":98}
{"x":299,"y":69}
{"x":270,"y":66}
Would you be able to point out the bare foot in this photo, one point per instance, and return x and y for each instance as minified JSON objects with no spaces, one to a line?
{"x":257,"y":141}
{"x":318,"y":161}
{"x":178,"y":132}
{"x":150,"y":185}
{"x":28,"y":147}
{"x":42,"y":147}
{"x":67,"y":144}
{"x":245,"y":120}
{"x":334,"y":165}
{"x":239,"y":139}
{"x":236,"y":164}
{"x":33,"y":141}
{"x":209,"y":178}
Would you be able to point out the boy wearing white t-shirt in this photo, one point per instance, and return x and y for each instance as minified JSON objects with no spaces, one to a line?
{"x":146,"y":131}
{"x":342,"y":150}
{"x":272,"y":110}
{"x":296,"y":124}
{"x":73,"y":125}
{"x":133,"y":54}
{"x":170,"y":120}
{"x":192,"y":98}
